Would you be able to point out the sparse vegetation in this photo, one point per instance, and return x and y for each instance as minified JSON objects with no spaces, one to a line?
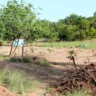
{"x":3,"y":57}
{"x":17,"y":82}
{"x":90,"y":44}
{"x":51,"y":50}
{"x":32,"y":60}
{"x":81,"y":92}
{"x":78,"y":93}
{"x":18,"y":59}
{"x":42,"y":62}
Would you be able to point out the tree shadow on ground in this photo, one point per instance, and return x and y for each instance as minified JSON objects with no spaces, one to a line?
{"x":49,"y":75}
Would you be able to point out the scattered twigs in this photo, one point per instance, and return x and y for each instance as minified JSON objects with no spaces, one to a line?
{"x":78,"y":79}
{"x":74,"y":63}
{"x":87,"y":73}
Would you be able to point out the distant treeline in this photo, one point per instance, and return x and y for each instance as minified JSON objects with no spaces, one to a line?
{"x":72,"y":28}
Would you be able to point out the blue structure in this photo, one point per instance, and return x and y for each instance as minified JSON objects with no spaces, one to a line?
{"x":18,"y":43}
{"x":84,"y":45}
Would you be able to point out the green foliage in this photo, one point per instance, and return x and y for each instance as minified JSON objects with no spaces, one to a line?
{"x":76,"y":27}
{"x":16,"y":20}
{"x":17,"y":82}
{"x":71,"y":52}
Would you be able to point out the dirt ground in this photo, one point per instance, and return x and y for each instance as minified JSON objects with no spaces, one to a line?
{"x":54,"y":54}
{"x":58,"y":57}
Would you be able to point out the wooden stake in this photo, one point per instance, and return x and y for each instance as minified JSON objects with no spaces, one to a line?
{"x":73,"y":59}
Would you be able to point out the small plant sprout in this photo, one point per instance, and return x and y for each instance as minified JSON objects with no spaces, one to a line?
{"x":51,"y":50}
{"x":73,"y":53}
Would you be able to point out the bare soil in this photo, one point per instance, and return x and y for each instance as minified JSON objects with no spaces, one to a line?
{"x":60,"y":64}
{"x":5,"y":92}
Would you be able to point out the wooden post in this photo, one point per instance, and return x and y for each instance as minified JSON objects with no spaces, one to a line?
{"x":22,"y":53}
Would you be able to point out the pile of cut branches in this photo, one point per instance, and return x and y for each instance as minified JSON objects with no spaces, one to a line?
{"x":78,"y":79}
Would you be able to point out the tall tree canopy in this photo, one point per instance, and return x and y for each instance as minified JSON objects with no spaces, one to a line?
{"x":16,"y":20}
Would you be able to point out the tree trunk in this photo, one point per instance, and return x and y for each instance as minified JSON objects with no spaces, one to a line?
{"x":11,"y":47}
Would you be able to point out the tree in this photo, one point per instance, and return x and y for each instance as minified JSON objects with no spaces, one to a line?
{"x":47,"y":30}
{"x":71,"y":20}
{"x":84,"y":25}
{"x":16,"y":20}
{"x":92,"y":33}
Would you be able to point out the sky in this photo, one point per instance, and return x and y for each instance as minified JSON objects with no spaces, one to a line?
{"x":55,"y":10}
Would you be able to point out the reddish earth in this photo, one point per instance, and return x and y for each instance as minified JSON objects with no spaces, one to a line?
{"x":5,"y":92}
